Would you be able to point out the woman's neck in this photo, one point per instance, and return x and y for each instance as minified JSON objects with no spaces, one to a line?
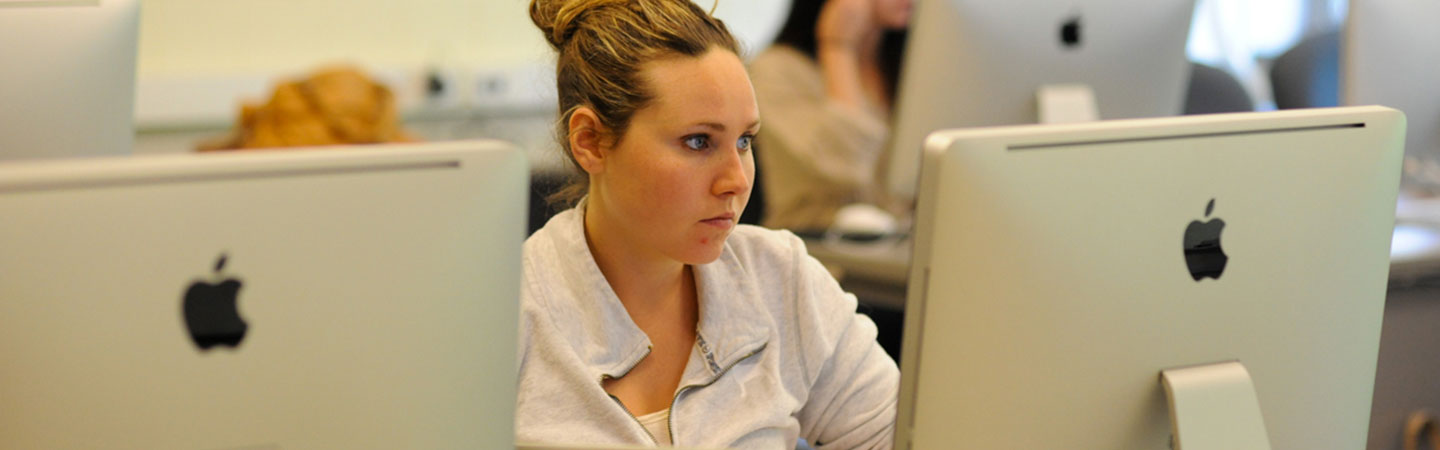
{"x":644,"y":281}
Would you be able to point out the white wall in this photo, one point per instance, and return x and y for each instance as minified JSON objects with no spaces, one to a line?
{"x":185,"y":37}
{"x":247,"y":36}
{"x":199,"y":58}
{"x":755,"y":22}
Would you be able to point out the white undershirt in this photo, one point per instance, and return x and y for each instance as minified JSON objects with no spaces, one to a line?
{"x":657,"y":423}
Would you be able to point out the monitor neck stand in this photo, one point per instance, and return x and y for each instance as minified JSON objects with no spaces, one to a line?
{"x":1213,"y":407}
{"x":1066,"y":103}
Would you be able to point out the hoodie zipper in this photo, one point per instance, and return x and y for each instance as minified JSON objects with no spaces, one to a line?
{"x":653,"y":440}
{"x":606,"y":376}
{"x":670,"y":421}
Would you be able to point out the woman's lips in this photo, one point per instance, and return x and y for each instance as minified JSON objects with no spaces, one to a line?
{"x":723,"y":221}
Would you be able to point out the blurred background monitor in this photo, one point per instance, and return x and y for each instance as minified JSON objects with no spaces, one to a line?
{"x":1060,"y":269}
{"x":1391,"y":56}
{"x":67,"y":87}
{"x":977,"y":63}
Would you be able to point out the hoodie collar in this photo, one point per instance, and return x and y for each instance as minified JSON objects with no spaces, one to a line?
{"x":732,"y":321}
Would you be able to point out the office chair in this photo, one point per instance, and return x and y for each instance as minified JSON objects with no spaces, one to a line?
{"x":755,"y":209}
{"x":1214,"y":91}
{"x":1308,"y":75}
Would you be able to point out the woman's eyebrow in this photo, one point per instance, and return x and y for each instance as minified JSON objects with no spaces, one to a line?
{"x":721,"y":127}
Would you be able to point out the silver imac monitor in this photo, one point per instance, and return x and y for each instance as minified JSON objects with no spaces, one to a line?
{"x":1060,"y":270}
{"x":67,"y":77}
{"x":980,"y":63}
{"x":336,"y":298}
{"x":1391,"y":56}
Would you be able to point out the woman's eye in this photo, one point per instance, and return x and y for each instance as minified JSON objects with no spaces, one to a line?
{"x":745,"y":142}
{"x":697,"y":142}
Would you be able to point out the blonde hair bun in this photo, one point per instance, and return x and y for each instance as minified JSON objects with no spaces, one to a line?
{"x":603,"y":46}
{"x":559,"y":19}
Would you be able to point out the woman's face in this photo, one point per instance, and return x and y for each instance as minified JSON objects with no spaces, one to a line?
{"x":893,"y":14}
{"x":675,"y":184}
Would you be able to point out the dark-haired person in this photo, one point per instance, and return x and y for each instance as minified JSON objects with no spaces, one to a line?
{"x":827,"y":86}
{"x":647,"y":315}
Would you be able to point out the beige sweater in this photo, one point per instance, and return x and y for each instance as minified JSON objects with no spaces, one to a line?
{"x":815,"y":155}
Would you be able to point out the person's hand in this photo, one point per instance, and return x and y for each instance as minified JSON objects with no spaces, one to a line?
{"x":845,"y":24}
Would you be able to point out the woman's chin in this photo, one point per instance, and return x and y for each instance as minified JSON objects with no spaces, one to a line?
{"x":704,"y":253}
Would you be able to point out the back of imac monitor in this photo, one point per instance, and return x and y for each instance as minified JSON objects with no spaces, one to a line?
{"x":1059,"y":269}
{"x":1389,"y":57}
{"x":68,"y":84}
{"x":976,"y":63}
{"x":330,"y":298}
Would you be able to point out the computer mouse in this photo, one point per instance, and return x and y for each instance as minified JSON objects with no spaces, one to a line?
{"x":863,"y":222}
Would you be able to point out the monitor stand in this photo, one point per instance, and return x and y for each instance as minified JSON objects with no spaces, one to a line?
{"x":1214,"y":407}
{"x":1066,"y":103}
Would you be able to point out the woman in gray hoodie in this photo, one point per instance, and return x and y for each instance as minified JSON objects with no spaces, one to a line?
{"x":648,"y":315}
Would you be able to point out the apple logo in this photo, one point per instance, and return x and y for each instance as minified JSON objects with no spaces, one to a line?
{"x":1070,"y":32}
{"x":1203,"y":254}
{"x":211,"y":313}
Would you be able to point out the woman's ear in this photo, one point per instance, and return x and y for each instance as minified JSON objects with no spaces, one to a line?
{"x":587,"y":140}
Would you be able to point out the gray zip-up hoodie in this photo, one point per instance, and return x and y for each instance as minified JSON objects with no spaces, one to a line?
{"x":780,"y":352}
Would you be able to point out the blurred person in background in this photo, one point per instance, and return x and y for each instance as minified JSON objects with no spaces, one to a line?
{"x":334,"y":105}
{"x":827,"y":87}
